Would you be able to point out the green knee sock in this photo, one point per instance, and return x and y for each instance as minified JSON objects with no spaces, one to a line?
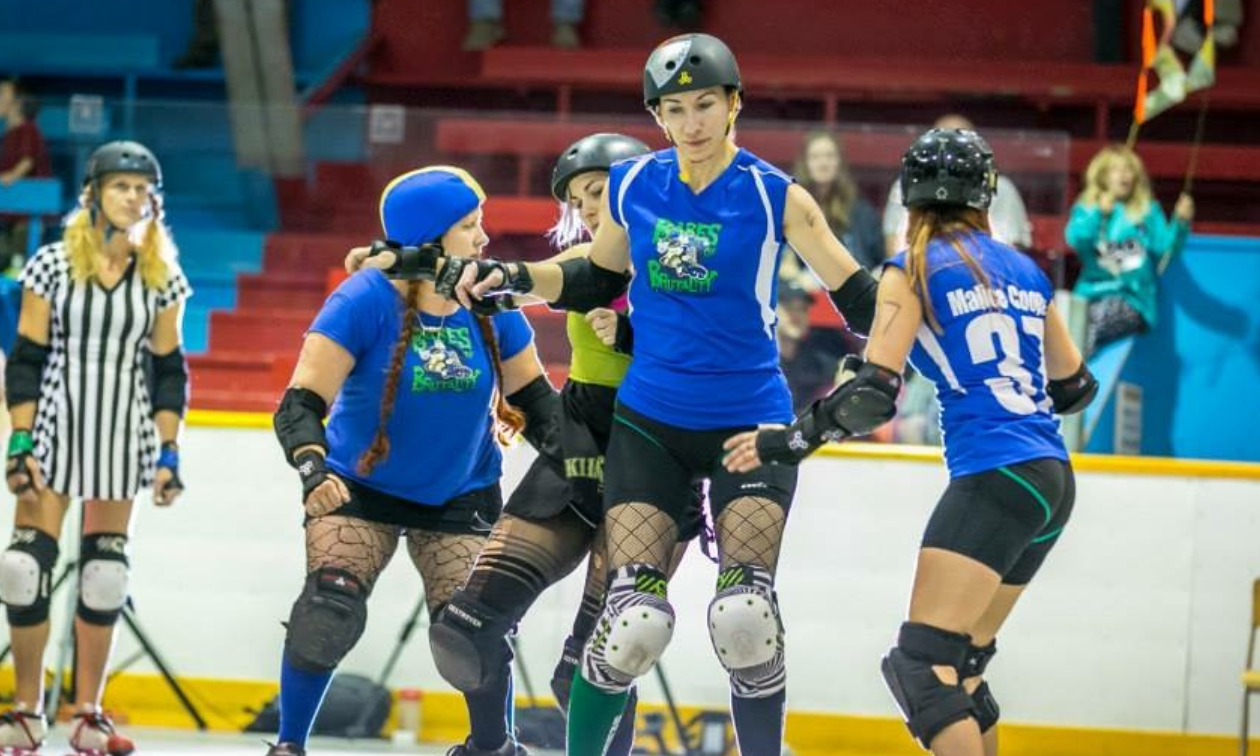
{"x":593,"y":717}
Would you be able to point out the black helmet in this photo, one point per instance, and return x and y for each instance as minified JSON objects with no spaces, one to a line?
{"x":123,"y":157}
{"x":593,"y":153}
{"x":686,"y":63}
{"x":948,"y":167}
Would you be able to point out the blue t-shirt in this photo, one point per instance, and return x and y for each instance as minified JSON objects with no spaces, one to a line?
{"x":988,"y":363}
{"x":702,"y":300}
{"x":441,"y":431}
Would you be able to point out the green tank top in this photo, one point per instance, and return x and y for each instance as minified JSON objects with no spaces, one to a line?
{"x":593,"y":362}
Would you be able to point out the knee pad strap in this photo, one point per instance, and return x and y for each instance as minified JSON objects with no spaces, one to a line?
{"x":927,"y":704}
{"x":747,"y":631}
{"x":327,"y":620}
{"x":632,"y":632}
{"x":103,"y":578}
{"x":987,"y":709}
{"x":26,"y":576}
{"x":469,"y":643}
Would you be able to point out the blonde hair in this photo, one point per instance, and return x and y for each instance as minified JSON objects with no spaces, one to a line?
{"x":953,"y":223}
{"x":1096,"y":179}
{"x":85,"y":243}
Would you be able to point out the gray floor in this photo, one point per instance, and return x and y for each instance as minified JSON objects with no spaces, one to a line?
{"x":157,"y":742}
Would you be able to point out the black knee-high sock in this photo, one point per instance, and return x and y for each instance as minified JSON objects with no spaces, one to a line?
{"x":759,"y":724}
{"x":488,"y":713}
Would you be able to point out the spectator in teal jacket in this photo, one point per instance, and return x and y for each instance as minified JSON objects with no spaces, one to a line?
{"x":1121,"y":235}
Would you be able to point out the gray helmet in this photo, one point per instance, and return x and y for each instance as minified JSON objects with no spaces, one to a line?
{"x":686,"y":63}
{"x":123,"y":157}
{"x":596,"y":152}
{"x":948,"y":167}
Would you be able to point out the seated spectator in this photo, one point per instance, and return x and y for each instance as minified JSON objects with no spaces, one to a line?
{"x":1008,"y":218}
{"x":23,"y":154}
{"x":809,"y":356}
{"x":1120,"y":234}
{"x":822,"y":170}
{"x":486,"y":29}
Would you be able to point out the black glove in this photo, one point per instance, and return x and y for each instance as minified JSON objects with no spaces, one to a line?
{"x":516,"y":277}
{"x":312,"y":471}
{"x":410,"y":263}
{"x":624,"y":340}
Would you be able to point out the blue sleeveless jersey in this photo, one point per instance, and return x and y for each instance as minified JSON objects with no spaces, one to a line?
{"x":988,"y":362}
{"x":702,"y":300}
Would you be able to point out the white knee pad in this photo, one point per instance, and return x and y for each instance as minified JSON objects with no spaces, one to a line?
{"x":21,"y":578}
{"x":103,"y":587}
{"x":747,"y":633}
{"x":632,"y":633}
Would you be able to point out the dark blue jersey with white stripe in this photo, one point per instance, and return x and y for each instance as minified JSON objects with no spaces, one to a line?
{"x":988,"y":359}
{"x":702,"y":301}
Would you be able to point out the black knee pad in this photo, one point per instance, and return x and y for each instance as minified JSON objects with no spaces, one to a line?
{"x":469,"y":643}
{"x":327,"y":620}
{"x":927,"y":704}
{"x":26,"y":576}
{"x":987,"y":710}
{"x":104,"y":574}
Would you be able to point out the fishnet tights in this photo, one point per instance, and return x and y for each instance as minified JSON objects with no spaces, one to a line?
{"x":750,"y":531}
{"x":642,"y":534}
{"x":363,"y":548}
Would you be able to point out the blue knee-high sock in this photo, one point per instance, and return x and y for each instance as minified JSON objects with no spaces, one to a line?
{"x":301,"y":693}
{"x":759,"y":724}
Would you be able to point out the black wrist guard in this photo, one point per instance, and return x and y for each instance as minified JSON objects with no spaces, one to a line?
{"x":299,"y":421}
{"x":312,"y":471}
{"x":410,"y":263}
{"x":169,"y":459}
{"x":855,"y":299}
{"x":856,"y":407}
{"x":25,"y":370}
{"x":541,"y":405}
{"x":170,"y":382}
{"x":515,"y":277}
{"x":624,"y":340}
{"x":1074,"y":393}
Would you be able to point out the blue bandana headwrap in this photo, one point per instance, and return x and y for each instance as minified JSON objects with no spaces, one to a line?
{"x":419,"y":206}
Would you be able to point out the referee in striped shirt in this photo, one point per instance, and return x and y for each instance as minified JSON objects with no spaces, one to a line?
{"x":91,"y":421}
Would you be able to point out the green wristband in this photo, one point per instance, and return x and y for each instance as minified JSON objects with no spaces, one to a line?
{"x":21,"y":442}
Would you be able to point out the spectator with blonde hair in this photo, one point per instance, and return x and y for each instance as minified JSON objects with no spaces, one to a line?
{"x":1121,"y":235}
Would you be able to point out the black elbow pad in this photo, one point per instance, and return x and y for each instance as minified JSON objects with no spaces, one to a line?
{"x":541,"y":405}
{"x":170,"y":382}
{"x":587,"y":285}
{"x":299,"y":421}
{"x":855,"y":299}
{"x":25,"y":371}
{"x":1074,"y":393}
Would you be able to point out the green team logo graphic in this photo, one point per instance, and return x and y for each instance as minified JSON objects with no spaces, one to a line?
{"x":441,"y":365}
{"x":681,"y":252}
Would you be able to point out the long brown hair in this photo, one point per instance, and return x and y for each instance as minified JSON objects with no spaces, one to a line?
{"x":837,"y":197}
{"x":508,"y":421}
{"x":952,"y":223}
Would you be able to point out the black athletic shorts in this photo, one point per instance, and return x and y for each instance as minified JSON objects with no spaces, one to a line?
{"x":472,"y":513}
{"x":656,"y":463}
{"x":1008,"y":518}
{"x":585,"y":424}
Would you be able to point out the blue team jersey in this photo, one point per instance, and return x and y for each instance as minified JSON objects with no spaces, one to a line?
{"x":702,"y":300}
{"x":988,"y":361}
{"x":441,"y":431}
